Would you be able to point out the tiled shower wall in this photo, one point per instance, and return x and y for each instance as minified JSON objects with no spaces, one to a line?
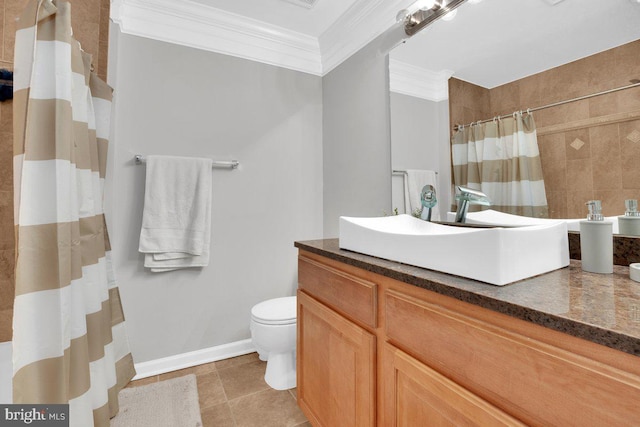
{"x":593,"y":162}
{"x":90,"y":21}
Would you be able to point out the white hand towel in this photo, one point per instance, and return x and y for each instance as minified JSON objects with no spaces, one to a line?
{"x":414,"y":180}
{"x":176,"y":223}
{"x":161,"y":262}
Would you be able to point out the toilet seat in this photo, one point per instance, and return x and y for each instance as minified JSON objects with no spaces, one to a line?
{"x":278,"y":311}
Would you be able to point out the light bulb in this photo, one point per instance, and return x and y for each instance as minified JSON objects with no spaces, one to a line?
{"x":449,"y":16}
{"x":402,"y":15}
{"x":425,"y":4}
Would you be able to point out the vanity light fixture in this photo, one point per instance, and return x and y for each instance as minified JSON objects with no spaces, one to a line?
{"x":423,"y":16}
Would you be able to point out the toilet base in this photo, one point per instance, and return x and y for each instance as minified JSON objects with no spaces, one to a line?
{"x":281,"y":370}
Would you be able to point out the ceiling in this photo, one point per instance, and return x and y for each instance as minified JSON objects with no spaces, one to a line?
{"x":499,"y":41}
{"x":489,"y":43}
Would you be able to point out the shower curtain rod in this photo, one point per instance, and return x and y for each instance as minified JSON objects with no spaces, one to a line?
{"x":233,"y":164}
{"x":555,"y":104}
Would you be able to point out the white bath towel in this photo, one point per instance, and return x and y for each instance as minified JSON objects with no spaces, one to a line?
{"x":176,"y":221}
{"x":414,"y":180}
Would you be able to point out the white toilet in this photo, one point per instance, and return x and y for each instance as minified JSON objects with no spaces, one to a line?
{"x":273,"y":332}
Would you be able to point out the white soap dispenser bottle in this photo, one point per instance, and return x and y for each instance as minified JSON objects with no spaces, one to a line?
{"x":596,"y":240}
{"x":629,"y":224}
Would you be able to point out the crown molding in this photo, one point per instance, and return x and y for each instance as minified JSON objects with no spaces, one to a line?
{"x":418,"y":82}
{"x":361,"y":23}
{"x":202,"y":27}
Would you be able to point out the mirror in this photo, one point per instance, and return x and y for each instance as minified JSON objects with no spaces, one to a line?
{"x":505,"y":56}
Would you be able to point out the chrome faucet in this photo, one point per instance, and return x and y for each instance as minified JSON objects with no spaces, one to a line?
{"x":428,"y":200}
{"x":466,"y":196}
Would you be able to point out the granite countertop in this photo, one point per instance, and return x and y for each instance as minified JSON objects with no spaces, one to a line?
{"x":602,"y":308}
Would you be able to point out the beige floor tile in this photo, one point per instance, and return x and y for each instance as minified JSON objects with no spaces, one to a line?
{"x":235,"y":361}
{"x":178,"y":373}
{"x":210,"y":390}
{"x":196,"y":370}
{"x":204,"y":369}
{"x":218,"y":416}
{"x":268,"y":408}
{"x":243,"y":379}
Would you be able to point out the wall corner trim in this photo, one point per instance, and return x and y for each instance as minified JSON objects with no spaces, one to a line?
{"x":192,"y":358}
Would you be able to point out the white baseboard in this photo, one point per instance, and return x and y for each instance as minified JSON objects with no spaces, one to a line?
{"x":193,"y":358}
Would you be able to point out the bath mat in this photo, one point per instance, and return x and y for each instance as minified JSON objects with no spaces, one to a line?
{"x":170,"y":403}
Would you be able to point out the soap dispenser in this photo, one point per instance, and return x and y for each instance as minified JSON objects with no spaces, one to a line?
{"x":596,"y":240}
{"x":629,"y":224}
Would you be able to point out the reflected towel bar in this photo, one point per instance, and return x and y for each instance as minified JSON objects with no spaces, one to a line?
{"x":403,"y":172}
{"x":233,"y":164}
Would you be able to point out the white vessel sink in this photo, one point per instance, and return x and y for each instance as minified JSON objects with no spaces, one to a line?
{"x":493,"y":255}
{"x":491,"y":217}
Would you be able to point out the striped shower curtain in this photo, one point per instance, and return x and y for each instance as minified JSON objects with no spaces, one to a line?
{"x":69,"y":341}
{"x":501,"y":159}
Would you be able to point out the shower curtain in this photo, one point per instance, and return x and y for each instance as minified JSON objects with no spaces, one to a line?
{"x":69,"y":341}
{"x":501,"y":159}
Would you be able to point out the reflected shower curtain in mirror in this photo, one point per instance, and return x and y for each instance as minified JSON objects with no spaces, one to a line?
{"x":501,"y":159}
{"x":69,"y":340}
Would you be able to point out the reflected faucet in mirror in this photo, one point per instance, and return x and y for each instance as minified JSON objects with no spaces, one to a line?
{"x":428,"y":200}
{"x":466,"y":196}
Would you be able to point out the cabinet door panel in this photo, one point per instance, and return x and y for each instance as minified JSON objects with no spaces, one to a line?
{"x":336,"y":367}
{"x":416,"y":395}
{"x":543,"y":384}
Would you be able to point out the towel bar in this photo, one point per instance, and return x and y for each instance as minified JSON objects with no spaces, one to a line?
{"x":403,"y":172}
{"x":233,"y":164}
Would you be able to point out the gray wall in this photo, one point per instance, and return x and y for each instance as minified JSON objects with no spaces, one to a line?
{"x":419,"y":140}
{"x":176,"y":100}
{"x":444,"y":144}
{"x":356,"y":134}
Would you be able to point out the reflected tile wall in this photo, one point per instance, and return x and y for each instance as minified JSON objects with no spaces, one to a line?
{"x":90,"y":20}
{"x":599,"y":162}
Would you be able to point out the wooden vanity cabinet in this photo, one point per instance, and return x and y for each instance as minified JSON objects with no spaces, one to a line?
{"x":336,"y":358}
{"x":375,"y":351}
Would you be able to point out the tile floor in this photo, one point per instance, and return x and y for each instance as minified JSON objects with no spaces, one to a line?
{"x":233,"y":394}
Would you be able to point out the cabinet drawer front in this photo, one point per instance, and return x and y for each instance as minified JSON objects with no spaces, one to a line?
{"x":416,"y":395}
{"x":351,"y":296}
{"x":539,"y":383}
